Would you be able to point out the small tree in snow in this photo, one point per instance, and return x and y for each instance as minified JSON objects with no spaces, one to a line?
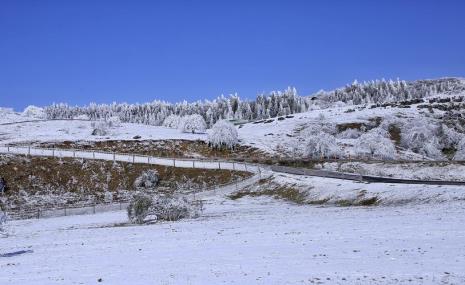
{"x":139,"y":208}
{"x":193,"y":124}
{"x":3,"y":220}
{"x":223,"y":134}
{"x":100,"y":128}
{"x":321,"y":145}
{"x":375,"y":144}
{"x":172,"y":121}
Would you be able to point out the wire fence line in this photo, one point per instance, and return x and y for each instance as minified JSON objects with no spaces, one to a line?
{"x":133,"y":158}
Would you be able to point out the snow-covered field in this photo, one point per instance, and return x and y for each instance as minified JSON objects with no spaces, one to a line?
{"x":74,"y":130}
{"x":246,"y":241}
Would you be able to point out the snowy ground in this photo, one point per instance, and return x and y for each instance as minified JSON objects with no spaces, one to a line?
{"x":247,"y":241}
{"x":74,"y":130}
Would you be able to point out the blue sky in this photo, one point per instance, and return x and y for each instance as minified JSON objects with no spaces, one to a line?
{"x":137,"y":51}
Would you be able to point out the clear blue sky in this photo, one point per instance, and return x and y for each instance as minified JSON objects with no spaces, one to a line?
{"x":137,"y":51}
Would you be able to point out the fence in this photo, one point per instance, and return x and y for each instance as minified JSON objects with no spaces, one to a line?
{"x":133,"y":158}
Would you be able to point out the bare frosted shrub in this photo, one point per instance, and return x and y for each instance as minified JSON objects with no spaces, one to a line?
{"x":163,"y":208}
{"x":139,"y":208}
{"x":172,"y":208}
{"x":148,"y":180}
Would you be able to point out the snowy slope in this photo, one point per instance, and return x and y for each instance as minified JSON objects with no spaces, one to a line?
{"x":283,"y":136}
{"x":247,"y":241}
{"x":74,"y":130}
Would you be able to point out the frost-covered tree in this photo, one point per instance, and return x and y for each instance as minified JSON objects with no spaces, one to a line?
{"x":420,"y":137}
{"x":380,"y":91}
{"x":100,"y":128}
{"x":460,"y":153}
{"x":448,"y":137}
{"x":223,"y":134}
{"x":155,"y":113}
{"x":3,"y":220}
{"x":172,"y":121}
{"x":35,"y":112}
{"x":114,"y":122}
{"x":193,"y":124}
{"x":321,"y":145}
{"x":376,"y":145}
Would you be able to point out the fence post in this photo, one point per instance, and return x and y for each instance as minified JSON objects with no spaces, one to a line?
{"x":38,"y":213}
{"x":234,"y":166}
{"x":245,"y":164}
{"x":174,"y":162}
{"x":8,"y":148}
{"x":94,"y":208}
{"x":53,"y":152}
{"x":193,"y":163}
{"x":29,"y":151}
{"x":74,"y":153}
{"x":114,"y":157}
{"x":93,"y":154}
{"x":219,"y":165}
{"x":120,"y":206}
{"x":148,"y":159}
{"x":65,"y":210}
{"x":133,"y":158}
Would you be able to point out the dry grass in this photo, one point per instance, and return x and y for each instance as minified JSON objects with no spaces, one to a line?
{"x":42,"y":175}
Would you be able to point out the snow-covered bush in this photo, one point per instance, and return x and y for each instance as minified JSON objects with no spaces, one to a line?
{"x":172,"y":121}
{"x":148,"y":180}
{"x":460,"y":153}
{"x":139,"y":208}
{"x":193,"y":124}
{"x":321,"y":145}
{"x":114,"y":122}
{"x":375,"y":144}
{"x":32,"y":111}
{"x":173,"y":208}
{"x":100,"y":128}
{"x":163,"y":208}
{"x":223,"y":134}
{"x":449,"y":138}
{"x":420,"y":136}
{"x":349,"y":134}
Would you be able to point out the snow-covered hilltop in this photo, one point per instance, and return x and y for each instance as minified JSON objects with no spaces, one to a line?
{"x":277,"y":103}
